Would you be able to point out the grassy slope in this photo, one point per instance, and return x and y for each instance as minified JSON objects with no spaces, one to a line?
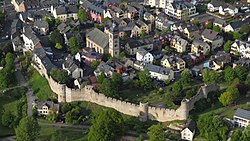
{"x":40,"y":86}
{"x":72,"y":134}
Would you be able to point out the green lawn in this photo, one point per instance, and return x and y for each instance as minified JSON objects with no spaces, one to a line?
{"x":8,"y":102}
{"x":69,"y":133}
{"x":40,"y":86}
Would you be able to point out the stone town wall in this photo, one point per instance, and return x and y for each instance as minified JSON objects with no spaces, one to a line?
{"x":143,"y":111}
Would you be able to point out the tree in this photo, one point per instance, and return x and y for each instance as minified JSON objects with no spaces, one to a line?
{"x":74,"y":45}
{"x":177,"y":87}
{"x":186,"y":76}
{"x":241,"y":72}
{"x":140,"y":138}
{"x":156,"y":133}
{"x":212,"y":127}
{"x":145,"y":80}
{"x":7,"y":119}
{"x":245,"y":28}
{"x":227,"y":46}
{"x":209,"y":76}
{"x":216,"y":28}
{"x":27,"y":130}
{"x":241,"y":135}
{"x":61,"y":76}
{"x":58,"y":46}
{"x":167,"y":49}
{"x":229,"y":74}
{"x":237,"y":35}
{"x":230,"y":96}
{"x":106,"y":126}
{"x":57,"y":37}
{"x":82,"y":15}
{"x":66,"y":107}
{"x":100,"y":78}
{"x":122,"y":55}
{"x":209,"y":25}
{"x":2,"y":18}
{"x":226,"y":98}
{"x":117,"y":81}
{"x":95,"y":64}
{"x":108,"y":89}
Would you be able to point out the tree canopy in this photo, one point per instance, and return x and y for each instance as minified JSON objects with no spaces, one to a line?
{"x":108,"y":125}
{"x":145,"y":80}
{"x":212,"y":127}
{"x":82,"y":15}
{"x":227,"y":46}
{"x":230,"y":96}
{"x":241,"y":135}
{"x":74,"y":45}
{"x":156,"y":133}
{"x":27,"y":130}
{"x":61,"y":76}
{"x":229,"y":74}
{"x":57,"y":37}
{"x":241,"y":72}
{"x":186,"y":76}
{"x":209,"y":76}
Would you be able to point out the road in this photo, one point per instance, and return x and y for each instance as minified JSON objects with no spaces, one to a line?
{"x":23,"y":82}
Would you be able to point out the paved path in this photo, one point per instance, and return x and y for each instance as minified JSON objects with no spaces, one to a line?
{"x":23,"y":82}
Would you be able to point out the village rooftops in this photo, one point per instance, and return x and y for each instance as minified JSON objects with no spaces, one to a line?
{"x":41,"y":24}
{"x":157,"y":69}
{"x":210,"y":34}
{"x":242,"y":113}
{"x":66,"y":9}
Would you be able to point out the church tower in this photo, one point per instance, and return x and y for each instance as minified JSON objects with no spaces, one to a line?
{"x":114,"y":45}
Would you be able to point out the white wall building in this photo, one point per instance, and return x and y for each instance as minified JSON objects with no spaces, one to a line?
{"x":144,"y":56}
{"x":159,"y":73}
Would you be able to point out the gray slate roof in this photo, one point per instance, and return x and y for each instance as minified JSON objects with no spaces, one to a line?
{"x":41,"y":24}
{"x":242,"y":113}
{"x":210,"y":34}
{"x":99,"y":37}
{"x":157,"y":69}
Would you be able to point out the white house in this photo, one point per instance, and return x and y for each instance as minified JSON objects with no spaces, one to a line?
{"x":159,"y":73}
{"x":47,"y":107}
{"x":181,"y":9}
{"x":188,"y":132}
{"x":241,"y":48}
{"x":242,"y":118}
{"x":72,"y":67}
{"x":30,"y":40}
{"x":157,"y":3}
{"x":228,"y":10}
{"x":65,"y":12}
{"x":144,"y":56}
{"x":214,"y":5}
{"x":234,"y":26}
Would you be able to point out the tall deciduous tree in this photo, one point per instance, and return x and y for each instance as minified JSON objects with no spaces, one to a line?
{"x":57,"y":37}
{"x":60,"y":76}
{"x":227,"y":46}
{"x":177,"y":87}
{"x":229,"y":74}
{"x":82,"y":15}
{"x":107,"y":126}
{"x":186,"y":76}
{"x":230,"y":96}
{"x":209,"y":76}
{"x":73,"y":45}
{"x":156,"y":133}
{"x":145,"y":80}
{"x":241,"y":72}
{"x":27,"y":130}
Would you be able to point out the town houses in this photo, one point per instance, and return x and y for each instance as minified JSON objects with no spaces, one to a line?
{"x":158,"y":52}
